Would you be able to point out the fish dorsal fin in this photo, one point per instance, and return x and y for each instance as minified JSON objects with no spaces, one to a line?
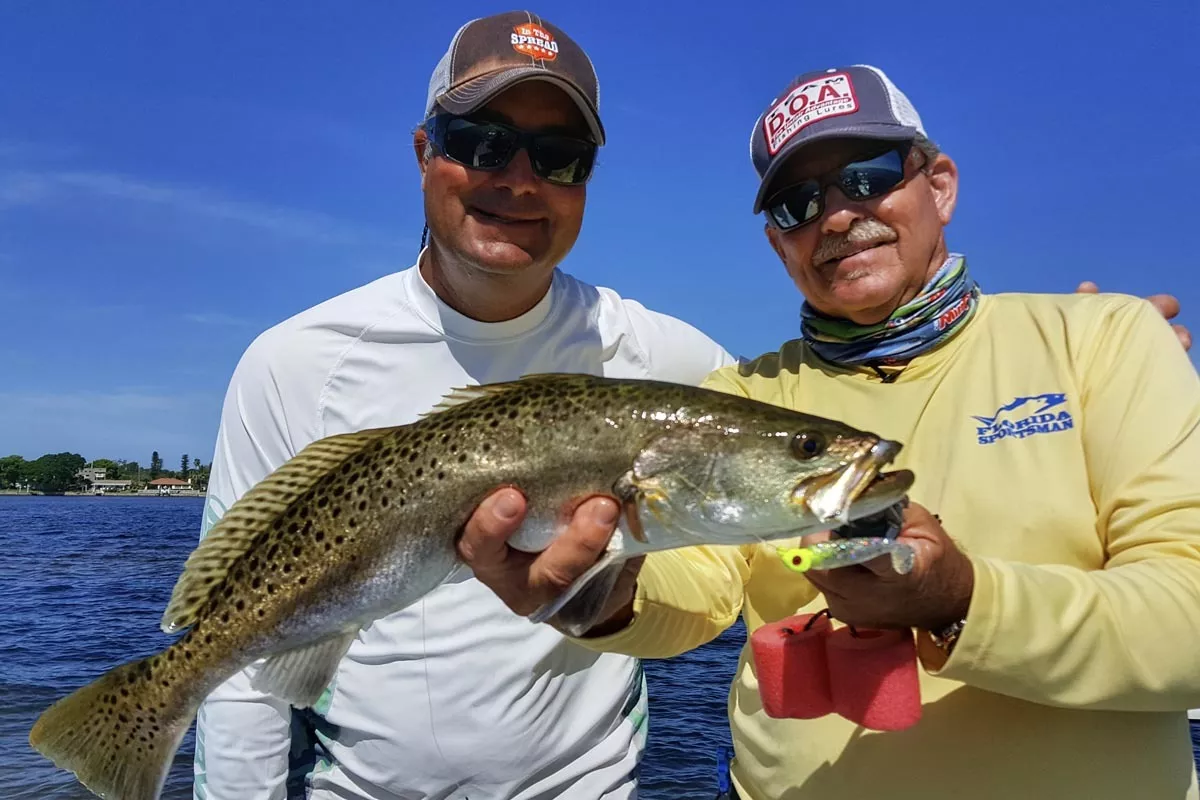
{"x":252,"y":514}
{"x":465,"y":394}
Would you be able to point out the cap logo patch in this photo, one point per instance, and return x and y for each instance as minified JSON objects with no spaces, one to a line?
{"x":534,"y":41}
{"x":824,"y":97}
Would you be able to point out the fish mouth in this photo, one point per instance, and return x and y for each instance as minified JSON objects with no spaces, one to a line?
{"x":858,"y":490}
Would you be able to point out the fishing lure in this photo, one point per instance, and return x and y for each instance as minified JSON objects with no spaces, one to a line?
{"x":835,"y":553}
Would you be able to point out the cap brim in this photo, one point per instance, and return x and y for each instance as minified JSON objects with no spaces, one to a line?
{"x":474,"y":94}
{"x":883,"y":131}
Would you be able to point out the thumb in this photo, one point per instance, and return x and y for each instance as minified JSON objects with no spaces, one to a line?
{"x":1087,"y":287}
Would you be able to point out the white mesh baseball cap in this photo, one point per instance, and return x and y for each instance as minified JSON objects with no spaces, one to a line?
{"x":857,"y":101}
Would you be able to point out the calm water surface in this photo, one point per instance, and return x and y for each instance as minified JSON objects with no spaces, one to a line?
{"x":84,"y":580}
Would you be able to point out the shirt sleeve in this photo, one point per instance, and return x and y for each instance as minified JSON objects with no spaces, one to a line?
{"x":685,"y":597}
{"x":675,"y":350}
{"x":243,"y":736}
{"x":1123,"y":637}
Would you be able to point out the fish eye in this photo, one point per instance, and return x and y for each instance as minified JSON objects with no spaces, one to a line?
{"x":808,"y":444}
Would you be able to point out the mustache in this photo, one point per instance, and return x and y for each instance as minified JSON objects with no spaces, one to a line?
{"x":863,"y":234}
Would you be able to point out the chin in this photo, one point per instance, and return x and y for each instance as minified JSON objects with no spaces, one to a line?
{"x":501,"y":256}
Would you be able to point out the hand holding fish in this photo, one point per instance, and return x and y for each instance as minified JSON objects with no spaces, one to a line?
{"x":936,"y":592}
{"x":527,"y":581}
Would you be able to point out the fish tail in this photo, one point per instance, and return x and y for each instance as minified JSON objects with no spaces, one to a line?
{"x":903,"y":558}
{"x":119,"y":733}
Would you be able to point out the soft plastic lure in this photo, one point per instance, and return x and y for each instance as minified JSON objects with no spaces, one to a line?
{"x":835,"y":553}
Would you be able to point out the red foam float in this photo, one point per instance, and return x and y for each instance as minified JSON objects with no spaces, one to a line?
{"x":873,"y":677}
{"x":793,"y":676}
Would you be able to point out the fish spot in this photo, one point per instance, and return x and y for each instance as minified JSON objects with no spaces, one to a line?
{"x":287,"y":568}
{"x":241,"y":604}
{"x":322,"y":501}
{"x":224,"y":619}
{"x":362,"y":505}
{"x":441,"y":475}
{"x":339,"y":539}
{"x":383,"y":501}
{"x":352,"y":522}
{"x":420,"y":472}
{"x":462,"y":458}
{"x":260,"y":613}
{"x":303,"y":579}
{"x":270,"y":588}
{"x":337,"y":512}
{"x":319,"y":536}
{"x":433,"y":463}
{"x":412,"y":456}
{"x":256,"y":582}
{"x":389,"y":483}
{"x":296,"y":551}
{"x":293,"y":527}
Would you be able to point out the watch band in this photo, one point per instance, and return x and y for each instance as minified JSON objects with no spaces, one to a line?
{"x":945,"y":638}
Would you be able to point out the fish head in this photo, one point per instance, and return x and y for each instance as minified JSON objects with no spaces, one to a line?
{"x":739,"y":478}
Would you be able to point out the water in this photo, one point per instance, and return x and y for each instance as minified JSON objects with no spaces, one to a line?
{"x":83,"y":582}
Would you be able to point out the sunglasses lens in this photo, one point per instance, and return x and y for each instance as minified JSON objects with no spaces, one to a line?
{"x":478,"y":144}
{"x":872,"y":177}
{"x":859,"y":180}
{"x":796,"y":205}
{"x":561,"y":159}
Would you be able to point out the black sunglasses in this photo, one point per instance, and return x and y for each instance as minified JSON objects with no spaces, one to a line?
{"x":804,"y":202}
{"x":490,"y":146}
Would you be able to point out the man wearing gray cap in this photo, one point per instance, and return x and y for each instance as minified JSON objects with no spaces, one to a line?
{"x":1050,"y":624}
{"x":453,"y":697}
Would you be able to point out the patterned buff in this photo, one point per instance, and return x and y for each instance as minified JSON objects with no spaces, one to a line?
{"x":943,"y":307}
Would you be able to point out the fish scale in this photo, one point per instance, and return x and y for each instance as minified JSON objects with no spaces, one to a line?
{"x":360,"y":525}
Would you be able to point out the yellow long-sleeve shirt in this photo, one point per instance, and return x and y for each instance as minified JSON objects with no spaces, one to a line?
{"x":1057,"y":437}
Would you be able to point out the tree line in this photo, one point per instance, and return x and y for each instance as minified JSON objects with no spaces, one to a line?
{"x":59,"y":472}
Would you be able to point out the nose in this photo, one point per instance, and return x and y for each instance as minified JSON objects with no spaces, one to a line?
{"x":885,"y":451}
{"x":840,"y":212}
{"x":518,"y":177}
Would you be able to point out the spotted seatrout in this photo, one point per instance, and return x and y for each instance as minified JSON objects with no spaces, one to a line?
{"x":360,"y":525}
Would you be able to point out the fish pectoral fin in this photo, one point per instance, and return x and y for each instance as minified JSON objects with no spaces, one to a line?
{"x":300,"y":676}
{"x":240,"y":527}
{"x":598,"y":582}
{"x":584,"y":610}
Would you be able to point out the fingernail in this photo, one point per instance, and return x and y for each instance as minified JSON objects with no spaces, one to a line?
{"x":605,"y":513}
{"x":507,"y":507}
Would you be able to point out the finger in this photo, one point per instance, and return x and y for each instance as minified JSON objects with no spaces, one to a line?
{"x":1185,"y":336}
{"x":579,"y":547}
{"x":1088,"y":287}
{"x":484,"y":541}
{"x":815,"y":538}
{"x":1167,"y":305}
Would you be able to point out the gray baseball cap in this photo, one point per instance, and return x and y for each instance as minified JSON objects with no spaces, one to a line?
{"x":491,"y":54}
{"x":857,"y":101}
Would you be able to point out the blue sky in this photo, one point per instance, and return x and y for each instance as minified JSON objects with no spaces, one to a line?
{"x":175,"y":178}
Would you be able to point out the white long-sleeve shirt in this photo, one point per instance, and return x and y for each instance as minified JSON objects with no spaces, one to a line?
{"x":455,"y":697}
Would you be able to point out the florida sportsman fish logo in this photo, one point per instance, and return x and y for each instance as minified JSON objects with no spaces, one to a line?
{"x":1025,"y":417}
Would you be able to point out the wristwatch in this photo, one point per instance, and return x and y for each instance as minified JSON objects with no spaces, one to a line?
{"x":945,"y":638}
